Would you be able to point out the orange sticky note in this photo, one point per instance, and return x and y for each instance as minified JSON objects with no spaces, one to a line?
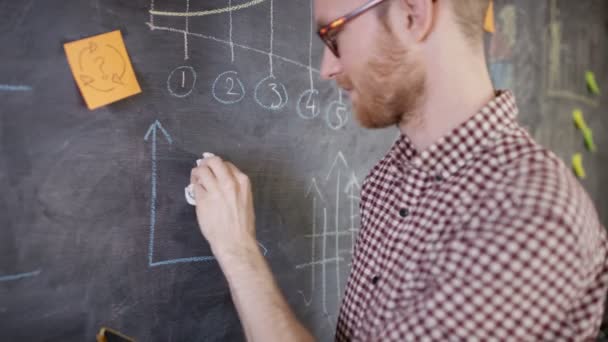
{"x":102,"y":69}
{"x":489,"y":24}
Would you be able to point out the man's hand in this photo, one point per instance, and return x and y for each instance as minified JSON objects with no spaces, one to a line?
{"x":224,"y":207}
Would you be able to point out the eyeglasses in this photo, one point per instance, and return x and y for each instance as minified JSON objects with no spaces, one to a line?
{"x":329,"y":32}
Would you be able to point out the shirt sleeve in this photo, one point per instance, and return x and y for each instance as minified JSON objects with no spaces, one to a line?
{"x":511,"y":272}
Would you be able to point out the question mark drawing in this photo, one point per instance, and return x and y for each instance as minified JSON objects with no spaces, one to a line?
{"x":101,"y":63}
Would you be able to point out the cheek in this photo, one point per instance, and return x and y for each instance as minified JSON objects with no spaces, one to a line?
{"x":357,"y":46}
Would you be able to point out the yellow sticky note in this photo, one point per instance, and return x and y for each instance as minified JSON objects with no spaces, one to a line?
{"x":592,"y":83}
{"x":102,"y":69}
{"x":577,"y":165}
{"x":489,"y":24}
{"x":579,"y":121}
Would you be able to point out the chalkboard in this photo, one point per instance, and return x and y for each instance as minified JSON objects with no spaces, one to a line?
{"x":94,"y":228}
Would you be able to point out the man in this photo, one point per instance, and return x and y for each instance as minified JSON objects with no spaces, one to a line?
{"x":470,"y":230}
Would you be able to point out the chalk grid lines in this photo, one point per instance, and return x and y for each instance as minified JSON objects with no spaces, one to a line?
{"x":322,"y":258}
{"x":229,"y":41}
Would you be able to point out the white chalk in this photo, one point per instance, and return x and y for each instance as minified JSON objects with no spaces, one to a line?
{"x":189,"y":193}
{"x":189,"y":190}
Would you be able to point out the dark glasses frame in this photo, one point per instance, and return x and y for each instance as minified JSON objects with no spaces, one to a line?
{"x":328,"y":32}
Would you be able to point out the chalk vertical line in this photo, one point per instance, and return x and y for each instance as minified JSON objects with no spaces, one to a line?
{"x":352,"y":216}
{"x":340,"y":95}
{"x":324,"y":258}
{"x":230,"y":33}
{"x":152,"y":15}
{"x":153,"y":131}
{"x":314,"y":231}
{"x":186,"y":31}
{"x":337,"y":241}
{"x":19,"y":276}
{"x":312,"y":84}
{"x":271,"y":38}
{"x":153,"y":200}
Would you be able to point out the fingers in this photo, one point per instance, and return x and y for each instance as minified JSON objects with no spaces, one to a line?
{"x":203,"y":176}
{"x":221,"y":171}
{"x":213,"y":174}
{"x":199,"y":192}
{"x":198,"y":164}
{"x":240,"y":177}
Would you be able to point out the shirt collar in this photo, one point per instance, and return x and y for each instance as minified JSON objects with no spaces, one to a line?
{"x":454,"y":150}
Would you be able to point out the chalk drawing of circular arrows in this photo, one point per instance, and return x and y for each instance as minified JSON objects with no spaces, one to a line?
{"x":102,"y":68}
{"x":208,"y":12}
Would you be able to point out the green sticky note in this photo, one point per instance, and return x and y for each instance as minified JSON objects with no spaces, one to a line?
{"x":592,"y":83}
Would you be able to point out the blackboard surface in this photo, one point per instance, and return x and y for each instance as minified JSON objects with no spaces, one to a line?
{"x":94,"y":228}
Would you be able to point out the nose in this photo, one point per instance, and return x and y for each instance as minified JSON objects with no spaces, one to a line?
{"x":330,"y":66}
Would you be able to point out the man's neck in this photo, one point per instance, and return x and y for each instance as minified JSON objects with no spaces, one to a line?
{"x":453,"y":95}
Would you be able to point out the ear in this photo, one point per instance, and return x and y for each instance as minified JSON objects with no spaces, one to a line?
{"x":420,"y":18}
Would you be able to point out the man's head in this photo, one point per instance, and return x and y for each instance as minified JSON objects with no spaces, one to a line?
{"x":385,"y":53}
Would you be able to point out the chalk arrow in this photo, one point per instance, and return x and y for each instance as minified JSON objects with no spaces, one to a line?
{"x":314,"y":189}
{"x":152,"y":131}
{"x":339,"y":161}
{"x":352,"y":186}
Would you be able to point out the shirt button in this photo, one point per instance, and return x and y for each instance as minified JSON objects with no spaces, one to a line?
{"x":404,"y":213}
{"x":439,"y":178}
{"x":375,"y":280}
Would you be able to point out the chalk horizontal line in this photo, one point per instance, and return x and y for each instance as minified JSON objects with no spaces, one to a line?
{"x":8,"y":87}
{"x":182,"y":261}
{"x":321,"y":262}
{"x":19,"y":276}
{"x":572,"y":96}
{"x":226,"y":42}
{"x":329,"y":234}
{"x":193,"y":259}
{"x":209,"y":12}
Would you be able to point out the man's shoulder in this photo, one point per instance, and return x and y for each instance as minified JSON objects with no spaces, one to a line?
{"x":535,"y":180}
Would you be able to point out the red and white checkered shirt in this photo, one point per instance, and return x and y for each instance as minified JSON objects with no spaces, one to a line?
{"x":483,"y":236}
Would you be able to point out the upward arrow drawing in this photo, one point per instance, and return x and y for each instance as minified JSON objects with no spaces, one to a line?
{"x":314,"y":188}
{"x":339,"y":161}
{"x":153,"y":131}
{"x":352,"y":191}
{"x":352,"y":186}
{"x":337,"y":167}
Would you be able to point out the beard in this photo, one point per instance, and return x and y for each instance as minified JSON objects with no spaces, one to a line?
{"x":390,"y":88}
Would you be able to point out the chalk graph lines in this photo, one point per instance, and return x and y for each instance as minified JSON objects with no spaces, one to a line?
{"x":330,"y":232}
{"x":567,"y":61}
{"x":19,"y":276}
{"x":15,"y":87}
{"x":230,"y":8}
{"x":228,"y":88}
{"x":156,"y":129}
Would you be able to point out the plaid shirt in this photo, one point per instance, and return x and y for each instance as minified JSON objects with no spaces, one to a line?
{"x":483,"y":236}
